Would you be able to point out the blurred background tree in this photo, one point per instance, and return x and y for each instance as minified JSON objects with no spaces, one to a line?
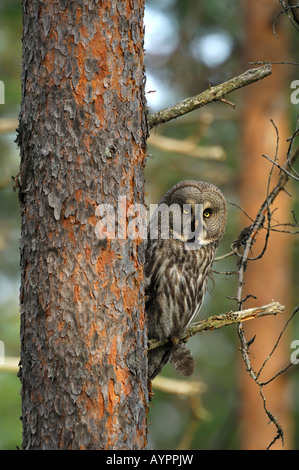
{"x":189,"y":45}
{"x":269,"y":100}
{"x":10,"y":72}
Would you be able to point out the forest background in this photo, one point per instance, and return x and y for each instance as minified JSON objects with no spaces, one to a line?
{"x":189,"y":46}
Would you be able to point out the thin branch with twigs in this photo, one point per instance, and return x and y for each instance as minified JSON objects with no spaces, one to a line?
{"x":285,"y":10}
{"x":218,"y":321}
{"x":294,"y":9}
{"x":264,"y":214}
{"x":215,"y":93}
{"x":245,"y":241}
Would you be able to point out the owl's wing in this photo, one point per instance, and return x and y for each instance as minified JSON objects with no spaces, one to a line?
{"x":175,"y":286}
{"x":174,"y":290}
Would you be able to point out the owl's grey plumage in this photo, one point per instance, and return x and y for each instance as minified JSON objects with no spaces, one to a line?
{"x":180,"y":251}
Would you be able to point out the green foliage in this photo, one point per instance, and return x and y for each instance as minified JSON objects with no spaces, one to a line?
{"x":10,"y":53}
{"x":10,"y":412}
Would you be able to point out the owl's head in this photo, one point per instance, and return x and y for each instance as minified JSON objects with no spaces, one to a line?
{"x":195,"y":211}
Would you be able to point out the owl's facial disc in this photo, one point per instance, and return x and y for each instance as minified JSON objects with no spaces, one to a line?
{"x":206,"y":214}
{"x":199,"y":213}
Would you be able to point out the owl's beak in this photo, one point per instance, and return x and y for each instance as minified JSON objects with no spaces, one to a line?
{"x":202,"y":232}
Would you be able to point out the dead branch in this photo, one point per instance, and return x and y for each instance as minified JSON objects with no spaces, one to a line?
{"x":294,"y":5}
{"x":218,"y":321}
{"x":8,"y":125}
{"x":10,"y":364}
{"x":192,"y":391}
{"x":187,"y":388}
{"x":286,"y":172}
{"x":215,"y":93}
{"x":274,"y":62}
{"x":284,"y":176}
{"x":187,"y":147}
{"x":281,"y":371}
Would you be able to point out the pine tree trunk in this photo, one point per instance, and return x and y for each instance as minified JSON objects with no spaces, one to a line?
{"x":270,"y":277}
{"x":82,"y":138}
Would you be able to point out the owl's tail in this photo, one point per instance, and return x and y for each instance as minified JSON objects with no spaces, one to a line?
{"x":182,"y":360}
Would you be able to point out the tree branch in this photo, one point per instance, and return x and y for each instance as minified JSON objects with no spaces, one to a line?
{"x":10,"y":364}
{"x":262,"y":213}
{"x":187,"y":147}
{"x":295,"y":9}
{"x":293,"y":6}
{"x":215,"y":93}
{"x":8,"y":125}
{"x":246,"y":241}
{"x":187,"y":388}
{"x":218,"y":321}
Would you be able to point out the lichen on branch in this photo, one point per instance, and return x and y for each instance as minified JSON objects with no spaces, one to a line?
{"x":215,"y":93}
{"x":218,"y":321}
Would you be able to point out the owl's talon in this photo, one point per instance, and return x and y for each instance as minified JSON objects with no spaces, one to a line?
{"x":150,"y":390}
{"x":175,"y":340}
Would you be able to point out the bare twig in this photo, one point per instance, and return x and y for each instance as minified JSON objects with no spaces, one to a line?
{"x":273,"y":350}
{"x":281,"y":168}
{"x":259,"y":221}
{"x":215,"y":93}
{"x":227,"y":255}
{"x":247,"y":242}
{"x":273,"y":419}
{"x":294,"y":4}
{"x":223,"y":100}
{"x":273,"y":62}
{"x":286,"y":9}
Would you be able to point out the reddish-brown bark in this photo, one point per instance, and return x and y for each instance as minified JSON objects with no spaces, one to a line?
{"x":82,"y":138}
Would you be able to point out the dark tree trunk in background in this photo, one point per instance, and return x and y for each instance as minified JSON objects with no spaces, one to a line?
{"x":82,"y":138}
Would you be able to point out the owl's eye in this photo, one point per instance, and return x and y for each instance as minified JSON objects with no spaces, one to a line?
{"x":186,"y":211}
{"x":207,"y":213}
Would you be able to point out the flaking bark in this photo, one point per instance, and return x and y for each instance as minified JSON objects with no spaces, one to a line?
{"x":82,"y":138}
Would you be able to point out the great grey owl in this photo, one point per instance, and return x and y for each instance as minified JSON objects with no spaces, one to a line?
{"x":183,"y":235}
